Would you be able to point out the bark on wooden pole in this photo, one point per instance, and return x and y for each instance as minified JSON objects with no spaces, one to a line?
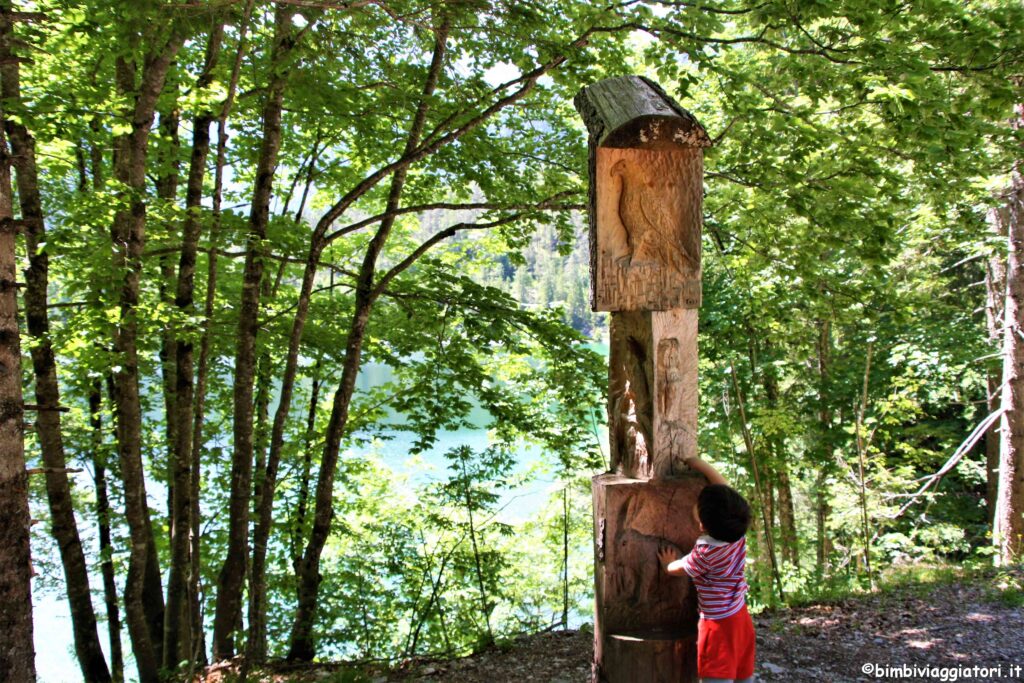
{"x":646,"y":188}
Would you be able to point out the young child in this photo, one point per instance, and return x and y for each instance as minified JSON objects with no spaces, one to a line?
{"x":725,"y":632}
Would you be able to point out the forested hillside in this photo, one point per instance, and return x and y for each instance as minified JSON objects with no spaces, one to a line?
{"x":552,"y":273}
{"x":300,"y":294}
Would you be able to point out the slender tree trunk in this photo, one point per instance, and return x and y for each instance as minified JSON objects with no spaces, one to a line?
{"x":178,"y":632}
{"x":787,"y":515}
{"x":199,"y":398}
{"x":99,"y":465}
{"x":565,"y":557}
{"x":48,"y":423}
{"x":145,"y":622}
{"x":435,"y":592}
{"x":1009,"y":529}
{"x":992,"y":448}
{"x":262,"y":497}
{"x":100,"y":462}
{"x":198,"y":416}
{"x":167,"y":192}
{"x":995,"y":300}
{"x":17,"y":654}
{"x":299,"y":531}
{"x":758,"y":487}
{"x":256,"y":649}
{"x":302,"y":643}
{"x":197,"y":635}
{"x":302,"y":640}
{"x":264,"y":392}
{"x":228,"y":615}
{"x":862,"y":467}
{"x":485,"y":606}
{"x":822,"y":508}
{"x":780,"y":470}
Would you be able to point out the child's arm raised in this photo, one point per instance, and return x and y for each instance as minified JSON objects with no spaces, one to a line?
{"x":705,"y":468}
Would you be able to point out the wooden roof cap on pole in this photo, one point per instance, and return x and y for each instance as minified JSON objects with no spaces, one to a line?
{"x":633,"y":111}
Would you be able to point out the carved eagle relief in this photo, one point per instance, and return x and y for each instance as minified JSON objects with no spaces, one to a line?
{"x":647,"y":224}
{"x":651,"y":208}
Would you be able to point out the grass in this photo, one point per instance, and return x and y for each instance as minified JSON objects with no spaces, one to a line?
{"x":1007,"y":587}
{"x":916,"y":579}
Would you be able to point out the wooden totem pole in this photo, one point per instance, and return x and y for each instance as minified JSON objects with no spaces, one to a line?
{"x":646,"y":186}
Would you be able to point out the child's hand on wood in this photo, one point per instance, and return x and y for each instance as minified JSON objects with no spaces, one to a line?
{"x":666,"y":556}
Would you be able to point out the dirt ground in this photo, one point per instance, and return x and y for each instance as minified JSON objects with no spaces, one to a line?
{"x":960,"y":631}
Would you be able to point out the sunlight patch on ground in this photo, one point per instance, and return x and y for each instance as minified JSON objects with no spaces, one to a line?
{"x":979,"y":617}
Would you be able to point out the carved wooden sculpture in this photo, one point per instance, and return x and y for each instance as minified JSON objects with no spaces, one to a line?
{"x":646,"y":185}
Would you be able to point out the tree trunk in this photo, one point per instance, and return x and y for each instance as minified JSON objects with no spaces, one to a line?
{"x":167,"y":192}
{"x":822,"y":508}
{"x":995,"y":301}
{"x":177,"y":625}
{"x":17,"y":655}
{"x":787,"y":515}
{"x":228,"y":615}
{"x":302,"y":642}
{"x":307,"y":465}
{"x":485,"y":608}
{"x":1009,"y":528}
{"x":99,"y":465}
{"x":48,"y":422}
{"x":992,"y":448}
{"x":145,"y":620}
{"x":199,"y":397}
{"x":256,"y":649}
{"x":780,"y":470}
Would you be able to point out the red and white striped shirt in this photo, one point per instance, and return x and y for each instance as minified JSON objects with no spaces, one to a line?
{"x":716,"y":568}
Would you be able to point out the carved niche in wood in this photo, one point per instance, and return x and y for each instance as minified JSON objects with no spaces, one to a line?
{"x":675,"y":388}
{"x":674,"y":435}
{"x":648,"y":229}
{"x":630,"y":400}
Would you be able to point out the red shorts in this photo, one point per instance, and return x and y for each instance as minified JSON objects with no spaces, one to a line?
{"x":725,"y":647}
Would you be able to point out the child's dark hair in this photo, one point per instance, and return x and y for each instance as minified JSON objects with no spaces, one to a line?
{"x":724,"y":513}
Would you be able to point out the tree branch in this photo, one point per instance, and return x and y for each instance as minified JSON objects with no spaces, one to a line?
{"x":449,"y":206}
{"x":710,"y":9}
{"x":959,"y":453}
{"x":402,"y":265}
{"x":431,"y":144}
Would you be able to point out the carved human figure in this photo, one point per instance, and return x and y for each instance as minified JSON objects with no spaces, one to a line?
{"x":650,"y":213}
{"x":670,"y":374}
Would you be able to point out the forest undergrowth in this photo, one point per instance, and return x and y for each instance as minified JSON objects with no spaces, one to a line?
{"x":964,"y":622}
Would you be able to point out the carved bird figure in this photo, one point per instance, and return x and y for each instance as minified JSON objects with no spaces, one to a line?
{"x":649,"y":210}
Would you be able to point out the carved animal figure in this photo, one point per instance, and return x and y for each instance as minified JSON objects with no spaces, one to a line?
{"x":649,"y":211}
